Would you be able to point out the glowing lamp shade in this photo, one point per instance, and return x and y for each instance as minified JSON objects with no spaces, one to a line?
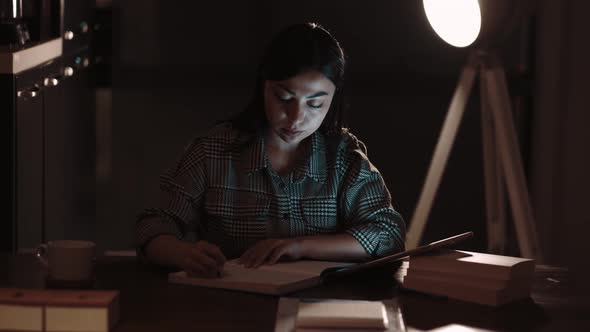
{"x":457,"y":22}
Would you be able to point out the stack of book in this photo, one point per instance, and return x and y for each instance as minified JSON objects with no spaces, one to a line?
{"x":58,"y":310}
{"x":471,"y":276}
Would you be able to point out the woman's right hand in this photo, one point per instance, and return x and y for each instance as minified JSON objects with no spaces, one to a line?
{"x":202,"y":259}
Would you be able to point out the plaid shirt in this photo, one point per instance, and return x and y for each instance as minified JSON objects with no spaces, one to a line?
{"x":224,"y":190}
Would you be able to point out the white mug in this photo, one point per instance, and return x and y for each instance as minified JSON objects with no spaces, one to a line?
{"x":67,"y":260}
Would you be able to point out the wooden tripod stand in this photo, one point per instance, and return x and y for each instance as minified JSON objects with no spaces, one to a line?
{"x":501,"y":155}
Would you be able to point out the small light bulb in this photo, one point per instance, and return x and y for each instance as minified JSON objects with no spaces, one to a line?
{"x":457,"y":22}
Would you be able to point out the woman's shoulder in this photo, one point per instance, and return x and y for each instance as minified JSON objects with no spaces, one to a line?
{"x":347,"y":142}
{"x":219,"y":138}
{"x":222,"y":131}
{"x":351,"y":153}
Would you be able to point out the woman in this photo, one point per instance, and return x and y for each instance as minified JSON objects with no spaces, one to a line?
{"x":282,"y":180}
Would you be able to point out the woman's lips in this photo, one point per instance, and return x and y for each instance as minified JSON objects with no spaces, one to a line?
{"x":291,"y":132}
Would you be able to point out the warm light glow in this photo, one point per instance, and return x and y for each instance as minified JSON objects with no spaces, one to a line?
{"x":457,"y":22}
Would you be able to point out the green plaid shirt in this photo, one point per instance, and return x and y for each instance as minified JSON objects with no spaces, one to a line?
{"x":224,"y":190}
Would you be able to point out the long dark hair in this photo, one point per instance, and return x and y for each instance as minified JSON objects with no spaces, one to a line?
{"x":296,"y":49}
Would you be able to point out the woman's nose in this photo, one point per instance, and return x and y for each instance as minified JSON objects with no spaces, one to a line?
{"x":296,"y":113}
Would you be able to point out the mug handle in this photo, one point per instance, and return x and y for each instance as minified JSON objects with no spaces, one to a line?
{"x":40,"y":253}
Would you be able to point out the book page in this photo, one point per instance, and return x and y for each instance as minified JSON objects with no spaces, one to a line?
{"x":279,"y":273}
{"x":251,"y":280}
{"x":271,"y":279}
{"x":235,"y":272}
{"x":304,"y":267}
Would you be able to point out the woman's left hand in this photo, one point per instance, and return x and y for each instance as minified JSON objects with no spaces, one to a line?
{"x":271,"y":250}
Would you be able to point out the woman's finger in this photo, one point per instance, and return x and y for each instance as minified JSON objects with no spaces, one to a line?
{"x":207,"y":263}
{"x":264,"y":252}
{"x":251,"y":256}
{"x":246,"y":256}
{"x":252,"y":253}
{"x":276,"y":254}
{"x":214,"y":252}
{"x":194,"y":270}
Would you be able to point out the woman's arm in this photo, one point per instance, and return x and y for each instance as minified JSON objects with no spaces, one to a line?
{"x":336,"y":247}
{"x":166,"y":250}
{"x":160,"y":230}
{"x":201,"y":258}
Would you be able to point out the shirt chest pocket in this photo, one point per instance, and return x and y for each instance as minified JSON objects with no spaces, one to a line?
{"x":238,"y":214}
{"x":320,"y":216}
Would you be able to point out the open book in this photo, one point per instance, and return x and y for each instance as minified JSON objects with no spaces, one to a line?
{"x":276,"y":279}
{"x":283,"y":278}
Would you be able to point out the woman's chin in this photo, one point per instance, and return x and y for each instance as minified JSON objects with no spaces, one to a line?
{"x":290,"y":138}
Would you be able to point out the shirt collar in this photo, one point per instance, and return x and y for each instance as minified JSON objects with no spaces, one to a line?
{"x":313,"y":166}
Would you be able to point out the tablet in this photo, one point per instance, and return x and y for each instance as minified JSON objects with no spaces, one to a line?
{"x":392,"y":259}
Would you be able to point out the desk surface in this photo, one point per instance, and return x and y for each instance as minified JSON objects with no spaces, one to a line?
{"x":150,"y":303}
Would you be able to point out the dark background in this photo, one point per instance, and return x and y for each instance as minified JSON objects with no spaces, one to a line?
{"x":179,"y":66}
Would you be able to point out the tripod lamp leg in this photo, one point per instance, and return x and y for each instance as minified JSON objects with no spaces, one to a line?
{"x":441,"y":155}
{"x":512,"y":163}
{"x":494,"y":187}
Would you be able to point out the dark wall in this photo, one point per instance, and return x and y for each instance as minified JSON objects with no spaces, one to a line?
{"x":560,"y":155}
{"x":181,"y":65}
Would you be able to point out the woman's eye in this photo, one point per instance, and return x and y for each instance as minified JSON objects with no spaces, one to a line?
{"x":283,"y":97}
{"x":315,"y":105}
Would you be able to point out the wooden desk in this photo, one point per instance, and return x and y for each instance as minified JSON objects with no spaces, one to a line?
{"x":149,"y":303}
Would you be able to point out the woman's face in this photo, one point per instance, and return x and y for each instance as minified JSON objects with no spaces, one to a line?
{"x":296,"y":107}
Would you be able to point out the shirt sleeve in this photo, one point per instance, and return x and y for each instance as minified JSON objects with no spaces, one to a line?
{"x":366,"y":206}
{"x":181,"y":189}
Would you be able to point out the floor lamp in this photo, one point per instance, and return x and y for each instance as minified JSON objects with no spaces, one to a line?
{"x":502,"y":160}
